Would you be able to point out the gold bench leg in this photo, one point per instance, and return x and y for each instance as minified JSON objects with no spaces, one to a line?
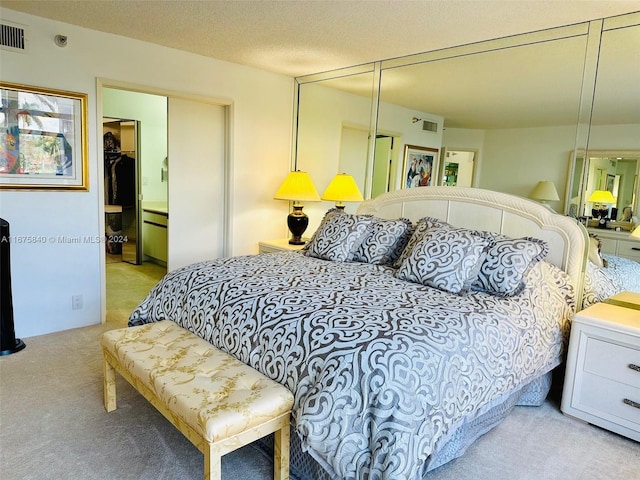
{"x":109,"y":387}
{"x":212,"y":464}
{"x":281,"y":453}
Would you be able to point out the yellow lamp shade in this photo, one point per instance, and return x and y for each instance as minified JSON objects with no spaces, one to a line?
{"x":343,"y":188}
{"x":636,"y":232}
{"x":602,"y":196}
{"x":297,"y":187}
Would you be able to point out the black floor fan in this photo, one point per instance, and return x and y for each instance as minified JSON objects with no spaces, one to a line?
{"x":10,"y":344}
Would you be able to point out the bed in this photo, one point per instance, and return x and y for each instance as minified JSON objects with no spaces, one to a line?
{"x":396,"y":367}
{"x":608,"y":274}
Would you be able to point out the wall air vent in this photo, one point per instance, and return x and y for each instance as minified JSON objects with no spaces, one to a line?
{"x":429,"y":126}
{"x":13,"y":37}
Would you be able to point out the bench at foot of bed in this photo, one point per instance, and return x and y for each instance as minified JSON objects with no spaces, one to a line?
{"x":219,"y":403}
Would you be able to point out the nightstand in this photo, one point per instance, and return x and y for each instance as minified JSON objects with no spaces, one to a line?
{"x":602,"y":381}
{"x":625,"y":299}
{"x":279,"y":245}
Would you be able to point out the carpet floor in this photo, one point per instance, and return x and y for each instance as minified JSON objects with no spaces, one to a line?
{"x":53,"y":426}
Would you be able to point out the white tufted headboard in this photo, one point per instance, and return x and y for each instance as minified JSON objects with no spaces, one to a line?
{"x":480,"y":209}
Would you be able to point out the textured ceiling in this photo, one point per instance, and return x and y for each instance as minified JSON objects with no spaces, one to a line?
{"x":301,"y":37}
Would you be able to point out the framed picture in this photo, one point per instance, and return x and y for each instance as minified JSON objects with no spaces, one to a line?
{"x":43,"y":138}
{"x":419,"y":167}
{"x":613,"y":184}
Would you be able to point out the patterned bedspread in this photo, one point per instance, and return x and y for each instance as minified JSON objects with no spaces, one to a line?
{"x":381,"y":369}
{"x":621,"y":274}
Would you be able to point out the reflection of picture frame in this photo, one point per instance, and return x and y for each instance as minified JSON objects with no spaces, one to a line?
{"x":43,"y":138}
{"x":613,"y":184}
{"x":419,"y":166}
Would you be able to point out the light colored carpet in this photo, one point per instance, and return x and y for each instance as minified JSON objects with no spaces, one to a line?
{"x":127,"y":286}
{"x":53,"y":426}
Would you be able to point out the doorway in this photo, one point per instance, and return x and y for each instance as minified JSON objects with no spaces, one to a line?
{"x":135,"y":178}
{"x":458,"y":167}
{"x":122,"y":190}
{"x":185,"y":170}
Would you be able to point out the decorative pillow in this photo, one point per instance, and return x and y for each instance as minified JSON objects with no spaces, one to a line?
{"x":420,"y":228}
{"x":329,"y":213}
{"x":338,"y":237}
{"x":384,"y":241}
{"x":446,"y":258}
{"x":506,"y":264}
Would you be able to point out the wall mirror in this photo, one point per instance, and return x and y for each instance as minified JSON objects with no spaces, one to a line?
{"x":612,"y":161}
{"x":333,"y":125}
{"x":521,"y":104}
{"x":613,"y":171}
{"x":516,"y":103}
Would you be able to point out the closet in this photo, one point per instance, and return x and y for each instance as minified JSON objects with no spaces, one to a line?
{"x":121,"y":190}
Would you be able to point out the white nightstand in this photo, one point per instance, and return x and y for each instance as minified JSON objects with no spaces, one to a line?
{"x":625,"y":299}
{"x":279,"y":245}
{"x":602,"y":381}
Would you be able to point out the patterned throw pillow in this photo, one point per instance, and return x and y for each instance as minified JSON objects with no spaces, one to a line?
{"x":447,"y":258}
{"x":506,"y":264}
{"x":419,"y":229}
{"x":329,"y":213}
{"x":338,"y":237}
{"x":384,"y":241}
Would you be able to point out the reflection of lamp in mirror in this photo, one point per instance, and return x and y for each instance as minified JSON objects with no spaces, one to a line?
{"x":297,"y":187}
{"x":545,"y":191}
{"x":600,"y":200}
{"x":343,"y":188}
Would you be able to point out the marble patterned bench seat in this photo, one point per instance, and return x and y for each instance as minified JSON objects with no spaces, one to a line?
{"x":219,"y":403}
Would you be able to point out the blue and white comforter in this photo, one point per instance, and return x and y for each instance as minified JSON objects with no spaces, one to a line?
{"x":381,"y":369}
{"x":621,"y":274}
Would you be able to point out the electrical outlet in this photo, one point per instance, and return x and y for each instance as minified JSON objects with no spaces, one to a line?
{"x":76,"y":302}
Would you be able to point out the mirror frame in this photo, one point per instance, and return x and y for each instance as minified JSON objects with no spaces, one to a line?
{"x":586,"y":156}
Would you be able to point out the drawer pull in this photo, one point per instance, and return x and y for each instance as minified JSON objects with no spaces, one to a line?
{"x":634,"y":367}
{"x":631,"y":403}
{"x":636,"y":249}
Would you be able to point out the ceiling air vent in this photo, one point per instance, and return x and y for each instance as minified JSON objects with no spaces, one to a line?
{"x":13,"y":37}
{"x":429,"y":126}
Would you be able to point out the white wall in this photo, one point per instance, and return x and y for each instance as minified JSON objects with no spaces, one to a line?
{"x":46,"y":275}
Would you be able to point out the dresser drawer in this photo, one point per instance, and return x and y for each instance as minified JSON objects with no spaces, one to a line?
{"x":629,"y":249}
{"x":606,"y":399}
{"x":613,"y":361}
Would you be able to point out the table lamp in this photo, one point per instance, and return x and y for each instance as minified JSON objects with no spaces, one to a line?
{"x":545,"y":191}
{"x":600,"y":200}
{"x":297,"y":187}
{"x":636,"y":233}
{"x":343,"y":188}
